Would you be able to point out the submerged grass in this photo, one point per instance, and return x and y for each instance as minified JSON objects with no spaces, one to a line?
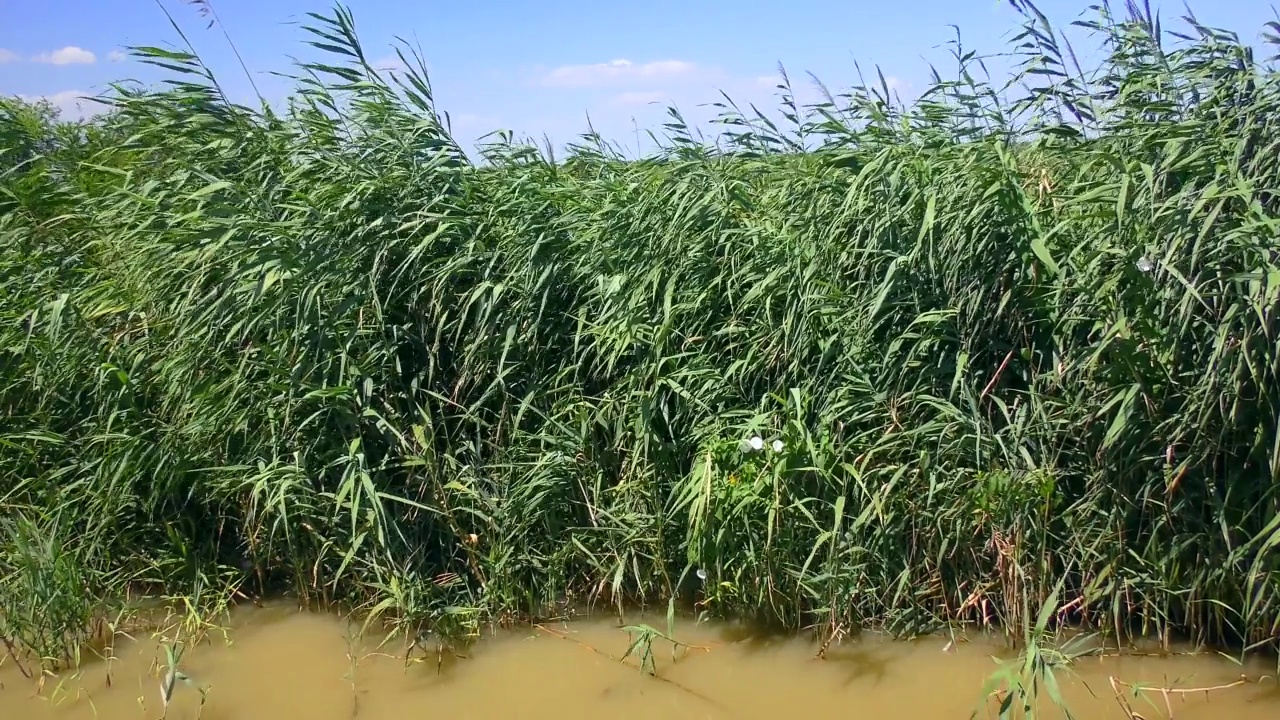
{"x":1011,"y":346}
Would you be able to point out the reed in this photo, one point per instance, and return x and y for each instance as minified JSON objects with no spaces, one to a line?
{"x":1015,"y":336}
{"x":173,"y":675}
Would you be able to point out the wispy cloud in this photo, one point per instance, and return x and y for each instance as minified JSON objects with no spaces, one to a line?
{"x":69,"y":55}
{"x":116,"y":56}
{"x":390,"y":62}
{"x":7,"y":56}
{"x":769,"y":81}
{"x":616,"y":72}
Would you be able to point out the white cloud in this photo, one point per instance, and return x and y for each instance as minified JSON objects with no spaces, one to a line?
{"x":71,"y":104}
{"x":897,"y":85}
{"x":641,"y":97}
{"x":69,"y":55}
{"x":116,"y":56}
{"x":615,"y":72}
{"x":7,"y":56}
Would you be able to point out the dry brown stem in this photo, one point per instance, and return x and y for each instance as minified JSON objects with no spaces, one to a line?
{"x":1165,"y":693}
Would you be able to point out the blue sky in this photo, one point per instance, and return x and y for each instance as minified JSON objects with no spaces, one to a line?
{"x":539,"y":67}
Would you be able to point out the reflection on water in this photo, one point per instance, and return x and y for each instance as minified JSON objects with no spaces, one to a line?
{"x":283,"y":664}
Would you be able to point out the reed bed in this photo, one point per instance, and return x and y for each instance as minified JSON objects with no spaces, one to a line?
{"x":864,"y":363}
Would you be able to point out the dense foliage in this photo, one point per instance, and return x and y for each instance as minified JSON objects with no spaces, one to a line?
{"x":1004,"y":339}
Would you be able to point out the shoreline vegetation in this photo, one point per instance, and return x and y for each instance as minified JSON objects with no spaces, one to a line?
{"x":1004,"y":357}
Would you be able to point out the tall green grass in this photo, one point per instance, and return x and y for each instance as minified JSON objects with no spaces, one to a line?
{"x":1012,"y":337}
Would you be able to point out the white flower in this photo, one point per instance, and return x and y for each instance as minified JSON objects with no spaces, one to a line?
{"x":778,"y":446}
{"x":756,"y":443}
{"x":744,"y":446}
{"x":1145,"y":264}
{"x":702,"y":574}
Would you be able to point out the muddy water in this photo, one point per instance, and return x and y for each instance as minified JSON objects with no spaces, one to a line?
{"x":282,"y":664}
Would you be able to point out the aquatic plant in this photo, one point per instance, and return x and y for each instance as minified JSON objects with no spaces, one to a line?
{"x":1022,"y":685}
{"x":1015,"y":335}
{"x":48,"y":606}
{"x":173,"y":675}
{"x":643,"y":636}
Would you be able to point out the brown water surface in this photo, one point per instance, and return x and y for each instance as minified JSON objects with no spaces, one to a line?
{"x":284,"y":664}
